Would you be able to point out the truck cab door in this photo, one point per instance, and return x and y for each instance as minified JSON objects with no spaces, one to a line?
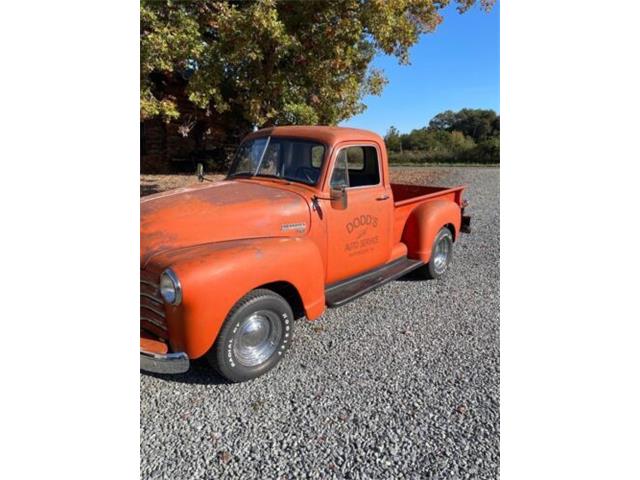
{"x":358,"y":236}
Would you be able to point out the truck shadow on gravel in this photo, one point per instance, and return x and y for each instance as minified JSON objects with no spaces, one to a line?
{"x":413,"y":276}
{"x":200,"y":373}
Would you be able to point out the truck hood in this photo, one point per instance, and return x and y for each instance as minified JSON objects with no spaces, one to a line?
{"x":218,"y":212}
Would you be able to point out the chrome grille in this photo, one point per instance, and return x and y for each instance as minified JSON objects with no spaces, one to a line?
{"x":152,"y":314}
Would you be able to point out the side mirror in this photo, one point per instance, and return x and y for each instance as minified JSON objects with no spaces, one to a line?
{"x":200,"y":172}
{"x":339,"y":197}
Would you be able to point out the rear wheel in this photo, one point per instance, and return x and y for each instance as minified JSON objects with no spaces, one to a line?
{"x":441,"y":252}
{"x":254,"y":337}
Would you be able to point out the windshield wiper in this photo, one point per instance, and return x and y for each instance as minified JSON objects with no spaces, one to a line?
{"x":297,"y":180}
{"x":261,"y":175}
{"x":270,"y":175}
{"x":286,"y":179}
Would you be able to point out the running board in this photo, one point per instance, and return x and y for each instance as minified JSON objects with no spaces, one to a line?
{"x":338,"y":294}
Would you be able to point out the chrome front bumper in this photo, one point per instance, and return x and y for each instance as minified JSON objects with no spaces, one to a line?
{"x":164,"y":363}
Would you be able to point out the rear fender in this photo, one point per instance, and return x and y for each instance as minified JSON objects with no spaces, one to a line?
{"x":424,"y":223}
{"x":216,"y":276}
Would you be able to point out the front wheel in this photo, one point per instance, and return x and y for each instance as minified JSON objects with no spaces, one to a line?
{"x":254,"y":337}
{"x":440,"y":255}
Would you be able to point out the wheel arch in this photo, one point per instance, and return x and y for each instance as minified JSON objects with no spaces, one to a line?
{"x":216,"y":277}
{"x":452,"y":229}
{"x":424,"y":223}
{"x":290,"y":293}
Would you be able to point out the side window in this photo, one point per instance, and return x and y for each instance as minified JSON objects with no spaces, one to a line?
{"x":355,"y":157}
{"x":340,"y":176}
{"x":362,"y":167}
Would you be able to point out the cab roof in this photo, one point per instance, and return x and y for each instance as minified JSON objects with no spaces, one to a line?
{"x":323,"y":134}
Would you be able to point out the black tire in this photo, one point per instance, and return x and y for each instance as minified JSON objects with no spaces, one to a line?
{"x":436,"y":268}
{"x":233,"y":354}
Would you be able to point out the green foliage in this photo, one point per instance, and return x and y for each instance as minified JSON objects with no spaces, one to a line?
{"x":476,"y":123}
{"x":269,"y":62}
{"x":392,"y":140}
{"x":487,"y":151}
{"x":169,"y":37}
{"x":467,"y":136}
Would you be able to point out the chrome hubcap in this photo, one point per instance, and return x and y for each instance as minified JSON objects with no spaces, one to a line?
{"x":257,"y":338}
{"x":441,"y":254}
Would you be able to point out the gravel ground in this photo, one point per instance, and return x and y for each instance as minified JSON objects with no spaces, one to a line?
{"x":401,"y":383}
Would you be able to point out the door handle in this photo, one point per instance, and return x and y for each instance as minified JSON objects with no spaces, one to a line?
{"x":382,"y":197}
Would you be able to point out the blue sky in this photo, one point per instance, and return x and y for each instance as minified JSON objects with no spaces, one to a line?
{"x":455,"y":67}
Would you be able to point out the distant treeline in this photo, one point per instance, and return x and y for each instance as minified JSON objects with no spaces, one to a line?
{"x":467,"y":136}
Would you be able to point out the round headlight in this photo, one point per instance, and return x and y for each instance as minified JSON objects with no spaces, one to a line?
{"x":170,"y":288}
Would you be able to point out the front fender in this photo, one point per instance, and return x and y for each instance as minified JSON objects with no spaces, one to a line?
{"x":424,"y":223}
{"x":215,"y":276}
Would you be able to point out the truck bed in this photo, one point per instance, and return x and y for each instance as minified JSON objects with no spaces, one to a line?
{"x":408,"y":197}
{"x":408,"y":194}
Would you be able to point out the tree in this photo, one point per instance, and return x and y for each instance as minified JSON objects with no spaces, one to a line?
{"x":271,"y":62}
{"x":433,"y":141}
{"x":495,"y":127}
{"x":443,"y":121}
{"x":487,"y":151}
{"x":478,"y":124}
{"x":469,"y":135}
{"x":392,"y":140}
{"x":420,"y":139}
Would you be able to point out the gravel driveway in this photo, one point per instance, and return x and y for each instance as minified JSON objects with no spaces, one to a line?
{"x":401,"y":383}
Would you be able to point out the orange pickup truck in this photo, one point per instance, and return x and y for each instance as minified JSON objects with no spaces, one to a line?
{"x":306,"y":218}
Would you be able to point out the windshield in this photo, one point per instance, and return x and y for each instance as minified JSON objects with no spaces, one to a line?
{"x":289,"y":159}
